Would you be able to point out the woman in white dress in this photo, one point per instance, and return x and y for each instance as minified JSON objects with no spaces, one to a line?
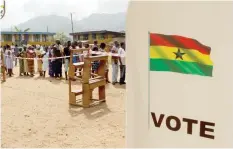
{"x":45,"y":61}
{"x":9,"y":60}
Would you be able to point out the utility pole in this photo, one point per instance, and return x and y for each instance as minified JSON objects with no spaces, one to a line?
{"x":72,"y":22}
{"x":47,"y":29}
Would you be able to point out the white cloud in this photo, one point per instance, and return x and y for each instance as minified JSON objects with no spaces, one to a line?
{"x":18,"y":11}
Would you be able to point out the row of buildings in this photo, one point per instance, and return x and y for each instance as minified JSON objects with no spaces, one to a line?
{"x":47,"y":38}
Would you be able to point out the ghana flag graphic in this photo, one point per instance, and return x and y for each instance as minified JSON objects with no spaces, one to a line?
{"x":179,"y":54}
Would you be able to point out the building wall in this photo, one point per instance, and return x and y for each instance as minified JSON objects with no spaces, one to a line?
{"x":108,"y":38}
{"x":31,"y":40}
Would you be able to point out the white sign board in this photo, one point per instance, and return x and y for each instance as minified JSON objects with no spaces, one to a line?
{"x":179,"y":104}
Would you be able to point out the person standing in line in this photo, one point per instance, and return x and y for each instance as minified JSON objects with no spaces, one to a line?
{"x":12,"y":48}
{"x":87,"y":46}
{"x":67,"y":59}
{"x":25,"y":61}
{"x":45,"y":61}
{"x":102,"y":49}
{"x":95,"y":64}
{"x":16,"y":52}
{"x":59,"y":53}
{"x":80,"y":56}
{"x":31,"y":54}
{"x":39,"y":59}
{"x":122,"y":55}
{"x":80,"y":46}
{"x":13,"y":51}
{"x":21,"y":62}
{"x":75,"y":56}
{"x":114,"y":50}
{"x":50,"y":51}
{"x":57,"y":63}
{"x":95,"y":44}
{"x":9,"y":60}
{"x":4,"y":57}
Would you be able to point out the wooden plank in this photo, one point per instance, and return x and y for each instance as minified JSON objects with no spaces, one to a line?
{"x":86,"y":95}
{"x":71,"y":72}
{"x":78,"y":65}
{"x":78,"y":51}
{"x":102,"y":92}
{"x":86,"y":70}
{"x":97,"y":77}
{"x":97,"y":58}
{"x":77,"y":92}
{"x":72,"y":98}
{"x":96,"y":83}
{"x":101,"y":69}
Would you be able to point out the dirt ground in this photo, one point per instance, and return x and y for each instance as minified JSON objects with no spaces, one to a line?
{"x":36,"y":114}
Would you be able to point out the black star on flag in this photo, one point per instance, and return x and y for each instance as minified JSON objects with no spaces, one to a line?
{"x":179,"y":54}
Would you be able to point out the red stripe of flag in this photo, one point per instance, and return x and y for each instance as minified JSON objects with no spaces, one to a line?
{"x":178,"y":41}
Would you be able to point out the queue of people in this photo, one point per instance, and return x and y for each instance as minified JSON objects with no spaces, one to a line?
{"x":51,"y":59}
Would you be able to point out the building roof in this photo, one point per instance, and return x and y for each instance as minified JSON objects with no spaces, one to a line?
{"x":96,"y":32}
{"x":28,"y":33}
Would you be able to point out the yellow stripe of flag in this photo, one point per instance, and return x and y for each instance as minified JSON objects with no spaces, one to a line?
{"x":163,"y":52}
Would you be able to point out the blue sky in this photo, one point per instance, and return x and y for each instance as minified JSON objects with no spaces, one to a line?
{"x":18,"y":11}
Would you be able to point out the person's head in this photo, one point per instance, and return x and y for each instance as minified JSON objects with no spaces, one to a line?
{"x":122,"y":45}
{"x":95,"y":42}
{"x":8,"y":47}
{"x":46,"y":49}
{"x":74,"y":44}
{"x":102,"y":45}
{"x":95,"y":49}
{"x":116,"y":43}
{"x":58,"y":42}
{"x":24,"y":48}
{"x":16,"y":45}
{"x":20,"y":49}
{"x":87,"y":45}
{"x":80,"y":45}
{"x":69,"y":43}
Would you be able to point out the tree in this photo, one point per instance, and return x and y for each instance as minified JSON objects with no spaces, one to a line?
{"x":22,"y":42}
{"x":62,"y":37}
{"x":20,"y":30}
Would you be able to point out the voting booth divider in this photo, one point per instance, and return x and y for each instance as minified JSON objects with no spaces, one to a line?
{"x":88,"y":80}
{"x":179,"y":74}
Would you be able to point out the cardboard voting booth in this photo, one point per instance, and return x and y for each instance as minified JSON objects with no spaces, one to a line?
{"x":179,"y":74}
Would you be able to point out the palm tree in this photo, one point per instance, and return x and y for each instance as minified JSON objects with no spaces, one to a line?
{"x":20,"y":31}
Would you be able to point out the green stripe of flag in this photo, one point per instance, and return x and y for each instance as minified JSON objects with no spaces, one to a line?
{"x":180,"y":67}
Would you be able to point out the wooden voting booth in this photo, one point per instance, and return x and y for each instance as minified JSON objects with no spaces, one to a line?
{"x":88,"y":83}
